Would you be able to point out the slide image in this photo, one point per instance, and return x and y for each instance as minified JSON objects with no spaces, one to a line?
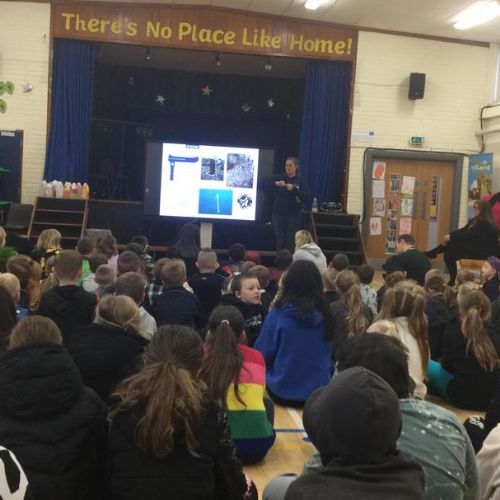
{"x":212,"y":169}
{"x":215,"y":202}
{"x":244,"y":201}
{"x":240,"y":170}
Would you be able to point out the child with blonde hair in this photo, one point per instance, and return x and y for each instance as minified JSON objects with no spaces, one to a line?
{"x":350,"y":315}
{"x":114,"y":335}
{"x":306,"y":249}
{"x":404,"y":306}
{"x":5,"y":252}
{"x":47,"y":245}
{"x":29,"y":274}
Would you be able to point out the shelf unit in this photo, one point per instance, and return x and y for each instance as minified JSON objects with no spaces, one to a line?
{"x":69,"y":217}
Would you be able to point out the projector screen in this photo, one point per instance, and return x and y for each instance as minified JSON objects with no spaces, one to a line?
{"x":204,"y":181}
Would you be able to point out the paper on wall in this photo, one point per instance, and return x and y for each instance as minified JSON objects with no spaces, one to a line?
{"x":378,"y":189}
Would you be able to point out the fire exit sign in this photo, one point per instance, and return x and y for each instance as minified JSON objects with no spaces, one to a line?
{"x":416,"y":140}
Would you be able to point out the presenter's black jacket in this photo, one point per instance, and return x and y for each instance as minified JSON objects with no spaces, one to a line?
{"x":54,"y":425}
{"x":105,"y":355}
{"x":414,"y":263}
{"x":254,"y":315}
{"x":215,"y":474}
{"x":289,"y":202}
{"x":177,"y":306}
{"x":68,"y":306}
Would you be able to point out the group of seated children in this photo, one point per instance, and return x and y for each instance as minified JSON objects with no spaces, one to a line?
{"x":151,"y":379}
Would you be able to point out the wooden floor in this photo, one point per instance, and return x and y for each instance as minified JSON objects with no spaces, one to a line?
{"x":289,"y":452}
{"x":291,"y":448}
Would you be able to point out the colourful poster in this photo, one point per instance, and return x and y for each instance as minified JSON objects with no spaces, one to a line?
{"x":406,"y":207}
{"x":378,"y":207}
{"x":480,"y":178}
{"x":395,"y":183}
{"x":375,"y":226}
{"x":408,"y":185}
{"x":378,"y":189}
{"x":379,"y":170}
{"x":405,"y":225}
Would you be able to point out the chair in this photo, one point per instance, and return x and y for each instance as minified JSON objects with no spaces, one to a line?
{"x":19,"y":217}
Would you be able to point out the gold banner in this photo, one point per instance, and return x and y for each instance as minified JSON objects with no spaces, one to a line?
{"x":203,"y":28}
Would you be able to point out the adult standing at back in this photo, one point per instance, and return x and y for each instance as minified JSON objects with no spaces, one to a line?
{"x":290,"y":192}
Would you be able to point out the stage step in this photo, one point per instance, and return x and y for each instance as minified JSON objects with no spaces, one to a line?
{"x":338,"y":233}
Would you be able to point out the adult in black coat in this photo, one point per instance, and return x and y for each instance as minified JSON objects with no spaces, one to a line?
{"x":53,"y":423}
{"x":108,"y":350}
{"x":408,"y":259}
{"x":478,"y":239}
{"x":290,"y":192}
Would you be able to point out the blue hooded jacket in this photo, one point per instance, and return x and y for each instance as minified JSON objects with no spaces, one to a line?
{"x":298,"y":357}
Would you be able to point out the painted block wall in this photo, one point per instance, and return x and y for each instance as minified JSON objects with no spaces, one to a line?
{"x":458,"y":79}
{"x":24,"y":57}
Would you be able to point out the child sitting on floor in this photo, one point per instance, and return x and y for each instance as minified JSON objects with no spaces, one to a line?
{"x":489,"y":274}
{"x":206,"y":283}
{"x":67,"y":304}
{"x":235,"y":374}
{"x":245,"y":296}
{"x":177,"y":306}
{"x":105,"y":278}
{"x":236,"y":259}
{"x":368,"y":294}
{"x":89,"y":284}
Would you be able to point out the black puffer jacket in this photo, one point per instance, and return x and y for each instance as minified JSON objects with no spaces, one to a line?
{"x":54,"y":425}
{"x":215,"y":474}
{"x":105,"y":355}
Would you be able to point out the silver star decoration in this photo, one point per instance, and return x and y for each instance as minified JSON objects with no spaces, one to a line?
{"x":246,"y":107}
{"x":160,"y":99}
{"x":270,"y":103}
{"x":206,"y":90}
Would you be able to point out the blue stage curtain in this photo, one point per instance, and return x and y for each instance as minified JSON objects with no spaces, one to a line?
{"x":324,"y":128}
{"x":69,"y":140}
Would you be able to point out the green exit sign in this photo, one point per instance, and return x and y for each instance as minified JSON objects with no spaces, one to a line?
{"x":416,"y":140}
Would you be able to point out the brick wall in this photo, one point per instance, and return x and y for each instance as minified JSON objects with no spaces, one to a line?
{"x":24,"y":57}
{"x":458,"y":78}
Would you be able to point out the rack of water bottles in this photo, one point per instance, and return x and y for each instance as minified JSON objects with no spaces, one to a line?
{"x":64,"y":190}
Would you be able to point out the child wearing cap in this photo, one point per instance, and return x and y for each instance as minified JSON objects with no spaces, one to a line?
{"x":489,"y":273}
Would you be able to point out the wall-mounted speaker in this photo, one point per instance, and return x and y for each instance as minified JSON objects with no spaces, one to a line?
{"x":417,"y":86}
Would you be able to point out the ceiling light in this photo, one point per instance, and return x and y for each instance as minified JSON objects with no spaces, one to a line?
{"x":478,"y":13}
{"x":313,"y":4}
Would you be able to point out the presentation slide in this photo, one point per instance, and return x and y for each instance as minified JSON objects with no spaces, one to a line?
{"x":212,"y":182}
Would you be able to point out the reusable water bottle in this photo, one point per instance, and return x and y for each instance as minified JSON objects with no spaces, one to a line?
{"x":314,"y":206}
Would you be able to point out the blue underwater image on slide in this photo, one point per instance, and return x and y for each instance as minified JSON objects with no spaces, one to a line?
{"x":216,"y":202}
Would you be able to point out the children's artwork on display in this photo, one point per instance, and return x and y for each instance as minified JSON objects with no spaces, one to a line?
{"x":391,"y":231}
{"x":378,"y":189}
{"x":405,"y":225}
{"x":408,"y":185}
{"x":395,"y":183}
{"x":379,"y":168}
{"x":390,"y":243}
{"x":375,"y":226}
{"x":406,"y":207}
{"x":393,"y":202}
{"x":378,"y":207}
